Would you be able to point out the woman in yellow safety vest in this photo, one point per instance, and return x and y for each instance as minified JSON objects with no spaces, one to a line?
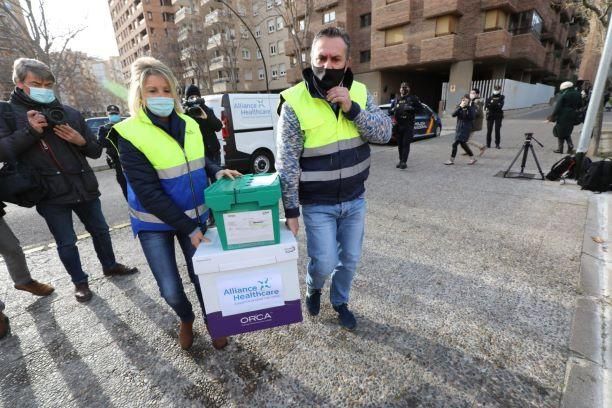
{"x":162,"y":154}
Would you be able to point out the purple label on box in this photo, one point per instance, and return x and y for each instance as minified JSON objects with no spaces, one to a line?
{"x":220,"y":326}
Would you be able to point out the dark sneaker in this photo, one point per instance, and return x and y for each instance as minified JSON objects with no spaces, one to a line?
{"x":5,"y":327}
{"x":313,"y":302}
{"x":82,"y":292}
{"x":403,"y":165}
{"x":397,"y":166}
{"x":347,"y":319}
{"x":119,"y":270}
{"x":497,"y":146}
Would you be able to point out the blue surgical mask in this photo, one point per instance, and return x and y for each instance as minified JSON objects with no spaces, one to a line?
{"x":42,"y":95}
{"x":160,"y":105}
{"x":114,"y":118}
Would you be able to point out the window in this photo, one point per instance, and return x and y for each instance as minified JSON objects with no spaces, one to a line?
{"x":271,"y":26}
{"x":394,"y":36}
{"x":365,"y":20}
{"x":257,"y":32}
{"x":301,"y":24}
{"x":364,"y":56}
{"x":258,"y":54}
{"x":269,"y":4}
{"x":526,"y":22}
{"x":495,"y":20}
{"x":282,"y":70}
{"x":274,"y":72}
{"x":446,"y":25}
{"x":260,"y":73}
{"x":279,"y":23}
{"x":246,"y":54}
{"x":304,"y":57}
{"x":149,"y":15}
{"x":248,"y":75}
{"x":272,"y":48}
{"x":280,"y":47}
{"x":329,"y":16}
{"x":255,"y":8}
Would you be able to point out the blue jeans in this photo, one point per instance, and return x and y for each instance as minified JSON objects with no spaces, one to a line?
{"x":334,"y":235}
{"x":158,"y":247}
{"x":59,"y":221}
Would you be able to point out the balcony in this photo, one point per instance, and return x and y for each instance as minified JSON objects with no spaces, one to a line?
{"x":183,"y":33}
{"x":214,"y":41}
{"x":294,"y":75}
{"x":139,"y":8}
{"x":509,"y":6}
{"x":493,"y":44}
{"x":445,"y":48}
{"x":320,"y":5}
{"x":528,"y":48}
{"x":219,"y":63}
{"x":390,"y":15}
{"x":394,"y":56}
{"x":183,"y":14}
{"x":215,"y":17}
{"x":306,"y":41}
{"x":435,"y":8}
{"x":180,"y":3}
{"x":145,"y":39}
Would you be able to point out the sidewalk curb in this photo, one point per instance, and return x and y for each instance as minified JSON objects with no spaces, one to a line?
{"x":588,"y":379}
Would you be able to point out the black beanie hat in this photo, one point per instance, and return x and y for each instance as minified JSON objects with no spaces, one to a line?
{"x":192,"y":90}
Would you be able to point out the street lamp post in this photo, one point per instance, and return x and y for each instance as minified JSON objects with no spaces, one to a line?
{"x":263,"y":59}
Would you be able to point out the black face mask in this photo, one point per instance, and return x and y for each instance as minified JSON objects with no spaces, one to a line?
{"x":328,"y":78}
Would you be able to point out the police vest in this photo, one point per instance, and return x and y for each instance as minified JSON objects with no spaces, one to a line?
{"x":180,"y":169}
{"x":335,"y":161}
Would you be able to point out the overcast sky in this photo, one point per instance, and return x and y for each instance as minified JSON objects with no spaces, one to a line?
{"x":98,"y":37}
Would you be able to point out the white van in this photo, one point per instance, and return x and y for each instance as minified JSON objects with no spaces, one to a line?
{"x":248,"y":136}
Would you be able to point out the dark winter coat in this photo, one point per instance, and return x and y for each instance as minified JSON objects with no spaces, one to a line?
{"x":74,"y":181}
{"x":465,"y":117}
{"x":477,"y":109}
{"x":565,"y":112}
{"x":494,"y":106}
{"x":404,"y":110}
{"x":208,"y":128}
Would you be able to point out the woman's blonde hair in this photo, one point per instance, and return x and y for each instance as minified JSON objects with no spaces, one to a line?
{"x":141,"y":69}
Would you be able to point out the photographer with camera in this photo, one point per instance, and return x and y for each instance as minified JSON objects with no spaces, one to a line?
{"x":404,"y":110}
{"x":196,"y":108}
{"x":109,"y":141}
{"x":55,"y":143}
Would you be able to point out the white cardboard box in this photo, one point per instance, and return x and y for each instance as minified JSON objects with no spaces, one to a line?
{"x":248,"y":289}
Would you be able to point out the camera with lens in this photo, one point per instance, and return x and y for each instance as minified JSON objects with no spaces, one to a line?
{"x":55,"y":116}
{"x":193,"y":106}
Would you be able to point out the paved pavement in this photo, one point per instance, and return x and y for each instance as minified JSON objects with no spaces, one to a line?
{"x":465,"y":297}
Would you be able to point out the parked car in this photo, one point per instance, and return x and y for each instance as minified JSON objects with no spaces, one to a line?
{"x":427,"y":123}
{"x":95,"y":123}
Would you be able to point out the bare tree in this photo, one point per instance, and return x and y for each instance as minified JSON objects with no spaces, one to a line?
{"x":198,"y":62}
{"x":296,"y":15}
{"x":33,"y":38}
{"x":598,"y":13}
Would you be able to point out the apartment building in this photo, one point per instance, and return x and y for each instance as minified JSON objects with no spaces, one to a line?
{"x":429,"y":42}
{"x":8,"y":52}
{"x":145,"y":27}
{"x":220,"y":54}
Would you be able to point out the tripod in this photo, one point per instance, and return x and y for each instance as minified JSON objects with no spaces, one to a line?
{"x":527,"y":146}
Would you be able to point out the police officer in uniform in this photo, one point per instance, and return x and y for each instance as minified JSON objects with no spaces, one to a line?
{"x":404,"y":109}
{"x":495,"y":114}
{"x":109,"y":141}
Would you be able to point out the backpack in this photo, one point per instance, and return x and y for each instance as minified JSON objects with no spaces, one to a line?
{"x":598,"y":177}
{"x":558,"y":169}
{"x":579,"y":116}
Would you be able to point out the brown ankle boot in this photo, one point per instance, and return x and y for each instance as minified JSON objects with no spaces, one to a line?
{"x":219,"y":343}
{"x":186,"y":335}
{"x":5,"y":327}
{"x":36,"y":288}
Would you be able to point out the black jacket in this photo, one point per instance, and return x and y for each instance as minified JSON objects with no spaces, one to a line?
{"x":405,"y":108}
{"x":71,"y":182}
{"x":143,"y":179}
{"x":494,"y":106}
{"x":208,"y":127}
{"x":465,"y":117}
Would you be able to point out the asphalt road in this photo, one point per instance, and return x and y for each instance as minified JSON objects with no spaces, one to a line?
{"x":464,"y":298}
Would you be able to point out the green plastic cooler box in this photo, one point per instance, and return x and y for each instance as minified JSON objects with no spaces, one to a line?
{"x":246,"y":210}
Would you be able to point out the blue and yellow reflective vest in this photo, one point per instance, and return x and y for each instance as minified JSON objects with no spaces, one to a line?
{"x":335,"y":161}
{"x":180,"y":169}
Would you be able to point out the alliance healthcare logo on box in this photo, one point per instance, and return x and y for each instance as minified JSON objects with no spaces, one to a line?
{"x":241,"y":293}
